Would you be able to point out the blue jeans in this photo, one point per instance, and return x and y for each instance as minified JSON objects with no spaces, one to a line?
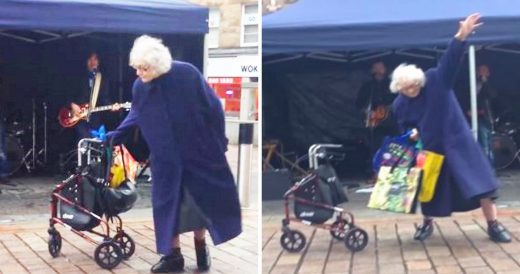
{"x":484,"y":139}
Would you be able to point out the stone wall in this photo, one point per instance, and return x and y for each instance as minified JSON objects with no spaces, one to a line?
{"x":230,"y":19}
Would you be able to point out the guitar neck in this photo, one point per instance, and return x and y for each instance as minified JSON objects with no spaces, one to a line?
{"x":102,"y":108}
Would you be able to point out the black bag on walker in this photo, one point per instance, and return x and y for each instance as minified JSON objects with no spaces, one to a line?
{"x":120,"y":199}
{"x":82,"y":192}
{"x":317,"y":192}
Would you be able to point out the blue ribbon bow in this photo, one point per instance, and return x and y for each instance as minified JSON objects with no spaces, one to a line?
{"x":100,"y":133}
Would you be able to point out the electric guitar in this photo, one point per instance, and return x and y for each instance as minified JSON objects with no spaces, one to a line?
{"x":67,"y":118}
{"x":376,"y":116}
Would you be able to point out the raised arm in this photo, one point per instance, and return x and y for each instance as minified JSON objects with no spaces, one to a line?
{"x":452,"y":58}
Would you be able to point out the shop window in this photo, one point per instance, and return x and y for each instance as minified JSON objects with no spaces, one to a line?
{"x":250,"y":25}
{"x":228,"y":90}
{"x":214,"y":25}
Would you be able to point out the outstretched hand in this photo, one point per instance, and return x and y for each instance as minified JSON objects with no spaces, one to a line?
{"x":468,"y":26}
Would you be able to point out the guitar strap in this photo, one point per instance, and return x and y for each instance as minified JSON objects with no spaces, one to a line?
{"x":94,"y":94}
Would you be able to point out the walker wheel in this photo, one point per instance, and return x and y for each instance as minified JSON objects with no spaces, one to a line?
{"x":54,"y":242}
{"x":338,"y":231}
{"x":126,"y":243}
{"x":108,"y":255}
{"x":356,"y":239}
{"x":293,"y":240}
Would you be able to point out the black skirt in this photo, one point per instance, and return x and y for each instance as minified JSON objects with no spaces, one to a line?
{"x":190,"y":216}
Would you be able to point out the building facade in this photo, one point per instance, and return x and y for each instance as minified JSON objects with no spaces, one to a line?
{"x":233,"y":42}
{"x":233,"y":64}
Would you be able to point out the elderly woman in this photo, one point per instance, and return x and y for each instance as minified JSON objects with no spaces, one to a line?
{"x":182,"y":122}
{"x":427,"y":102}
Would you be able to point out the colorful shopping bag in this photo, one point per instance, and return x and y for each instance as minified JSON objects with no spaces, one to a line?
{"x":396,"y":189}
{"x":431,"y":169}
{"x":118,"y":169}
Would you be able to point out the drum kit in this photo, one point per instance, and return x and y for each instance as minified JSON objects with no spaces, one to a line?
{"x":20,"y":142}
{"x":504,"y":141}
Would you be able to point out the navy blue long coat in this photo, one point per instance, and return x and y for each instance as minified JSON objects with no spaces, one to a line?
{"x":466,"y":174}
{"x":182,"y":121}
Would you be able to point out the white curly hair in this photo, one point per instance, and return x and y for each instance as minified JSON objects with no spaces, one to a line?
{"x":406,"y":74}
{"x":150,"y":51}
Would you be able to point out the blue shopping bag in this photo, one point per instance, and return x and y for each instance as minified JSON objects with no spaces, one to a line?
{"x":397,"y":151}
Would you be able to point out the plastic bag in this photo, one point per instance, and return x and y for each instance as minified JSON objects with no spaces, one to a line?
{"x":117,"y":173}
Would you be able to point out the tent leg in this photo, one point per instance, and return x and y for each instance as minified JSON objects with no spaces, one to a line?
{"x":473,"y":91}
{"x":120,"y":72}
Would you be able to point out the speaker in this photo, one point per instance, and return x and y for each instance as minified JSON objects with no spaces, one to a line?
{"x":275,"y":183}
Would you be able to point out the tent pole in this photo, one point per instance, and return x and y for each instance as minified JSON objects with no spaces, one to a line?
{"x":205,"y":56}
{"x":473,"y":91}
{"x":120,"y":72}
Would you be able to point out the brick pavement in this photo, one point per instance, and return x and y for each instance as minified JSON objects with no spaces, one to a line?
{"x":458,"y":245}
{"x":23,"y":233}
{"x":23,"y":249}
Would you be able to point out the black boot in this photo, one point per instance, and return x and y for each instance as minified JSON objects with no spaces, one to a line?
{"x":170,"y":263}
{"x":498,"y":233}
{"x":202,"y":252}
{"x":424,"y":231}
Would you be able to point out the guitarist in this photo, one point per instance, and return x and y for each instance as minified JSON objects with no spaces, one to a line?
{"x":374,"y":99}
{"x":85,"y":94}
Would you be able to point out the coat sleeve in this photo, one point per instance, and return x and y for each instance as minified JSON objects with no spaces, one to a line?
{"x":450,"y":63}
{"x":397,"y":116}
{"x":118,"y":135}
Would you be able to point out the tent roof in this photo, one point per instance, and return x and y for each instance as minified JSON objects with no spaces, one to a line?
{"x":331,"y":25}
{"x":127,"y":16}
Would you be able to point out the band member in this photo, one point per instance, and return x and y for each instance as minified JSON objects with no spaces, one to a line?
{"x":427,"y":102}
{"x":487,"y":108}
{"x":182,"y":121}
{"x":84,"y":95}
{"x":374,"y":100}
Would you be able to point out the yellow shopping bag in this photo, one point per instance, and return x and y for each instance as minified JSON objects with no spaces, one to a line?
{"x":431,"y":169}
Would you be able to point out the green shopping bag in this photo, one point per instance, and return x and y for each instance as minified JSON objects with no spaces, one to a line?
{"x":396,"y":189}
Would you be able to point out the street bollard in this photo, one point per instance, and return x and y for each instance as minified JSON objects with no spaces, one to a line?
{"x":245,"y":149}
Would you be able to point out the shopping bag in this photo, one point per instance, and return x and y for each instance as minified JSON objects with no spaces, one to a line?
{"x":117,"y":170}
{"x":398,"y":150}
{"x":396,"y":189}
{"x":430,"y":174}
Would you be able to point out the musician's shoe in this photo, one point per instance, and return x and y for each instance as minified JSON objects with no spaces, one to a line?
{"x":498,"y":233}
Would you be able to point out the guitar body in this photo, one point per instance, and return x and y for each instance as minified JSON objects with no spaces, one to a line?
{"x":376,"y":116}
{"x":67,"y":119}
